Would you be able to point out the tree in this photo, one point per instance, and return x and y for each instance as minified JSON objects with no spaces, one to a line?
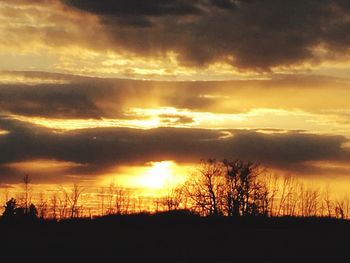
{"x":111,"y":193}
{"x":72,"y":198}
{"x":122,"y":200}
{"x":63,"y":203}
{"x":289,"y":197}
{"x":54,"y":202}
{"x":328,"y":202}
{"x":32,"y":212}
{"x":232,"y":188}
{"x":271,"y":183}
{"x":205,"y":188}
{"x":42,"y":206}
{"x":27,"y":197}
{"x":102,"y":200}
{"x":173,"y":199}
{"x":245,"y":194}
{"x":10,"y":208}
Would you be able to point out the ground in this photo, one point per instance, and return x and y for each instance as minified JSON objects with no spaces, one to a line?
{"x":177,"y":238}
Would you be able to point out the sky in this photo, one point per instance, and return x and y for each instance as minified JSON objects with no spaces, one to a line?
{"x":132,"y":90}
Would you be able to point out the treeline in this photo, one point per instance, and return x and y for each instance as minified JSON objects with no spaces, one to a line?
{"x":237,"y":188}
{"x":216,"y":188}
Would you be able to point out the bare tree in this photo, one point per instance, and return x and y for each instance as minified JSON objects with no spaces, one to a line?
{"x":27,"y":193}
{"x":101,"y":195}
{"x":72,"y":198}
{"x":110,"y":196}
{"x":342,"y":207}
{"x":54,"y":203}
{"x":122,"y":200}
{"x":174,"y":198}
{"x":246,"y":193}
{"x":205,"y":188}
{"x":42,"y":206}
{"x":339,"y":210}
{"x":63,"y":203}
{"x":309,"y":202}
{"x":289,"y":197}
{"x":271,"y":183}
{"x":140,"y":204}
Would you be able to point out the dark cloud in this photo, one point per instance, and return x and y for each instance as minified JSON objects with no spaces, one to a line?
{"x":136,"y":7}
{"x":97,"y":150}
{"x":57,"y":101}
{"x":225,"y":4}
{"x":133,"y":12}
{"x":252,"y":34}
{"x":26,"y":2}
{"x":83,"y":97}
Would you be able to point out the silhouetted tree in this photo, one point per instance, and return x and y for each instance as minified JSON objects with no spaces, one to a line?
{"x":54,"y":203}
{"x":246,"y":194}
{"x":328,"y":202}
{"x":26,"y":182}
{"x":205,"y":188}
{"x":32,"y":212}
{"x":342,"y":208}
{"x":42,"y":206}
{"x":111,"y":193}
{"x":122,"y":200}
{"x":232,"y":188}
{"x":63,"y":203}
{"x":271,"y":183}
{"x":10,"y":208}
{"x":289,"y":197}
{"x":173,"y":199}
{"x":102,"y":200}
{"x":20,"y":212}
{"x":72,"y":198}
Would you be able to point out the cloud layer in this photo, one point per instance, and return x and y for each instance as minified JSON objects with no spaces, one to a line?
{"x":95,"y":151}
{"x":255,"y":35}
{"x":73,"y":97}
{"x":255,"y":40}
{"x":200,"y":39}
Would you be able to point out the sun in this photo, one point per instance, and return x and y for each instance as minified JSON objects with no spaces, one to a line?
{"x":152,"y":179}
{"x":158,"y":176}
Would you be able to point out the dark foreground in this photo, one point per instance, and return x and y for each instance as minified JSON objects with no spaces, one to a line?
{"x":176,"y":238}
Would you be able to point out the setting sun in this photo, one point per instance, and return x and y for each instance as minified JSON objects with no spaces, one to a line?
{"x":161,"y":176}
{"x":158,"y":175}
{"x":152,"y":179}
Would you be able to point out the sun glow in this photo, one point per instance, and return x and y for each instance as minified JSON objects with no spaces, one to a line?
{"x":153,"y":179}
{"x":42,"y":165}
{"x":159,"y":176}
{"x":3,"y":132}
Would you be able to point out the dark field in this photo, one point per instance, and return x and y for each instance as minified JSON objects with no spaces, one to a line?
{"x":177,"y":238}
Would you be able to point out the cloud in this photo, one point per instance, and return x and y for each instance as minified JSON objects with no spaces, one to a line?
{"x":251,"y":36}
{"x":97,"y":150}
{"x":225,"y":4}
{"x":84,"y":97}
{"x":135,"y":13}
{"x":48,"y":101}
{"x":254,"y":35}
{"x":135,"y":7}
{"x":39,"y":94}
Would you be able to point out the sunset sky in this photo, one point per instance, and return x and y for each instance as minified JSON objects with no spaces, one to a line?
{"x":139,"y":91}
